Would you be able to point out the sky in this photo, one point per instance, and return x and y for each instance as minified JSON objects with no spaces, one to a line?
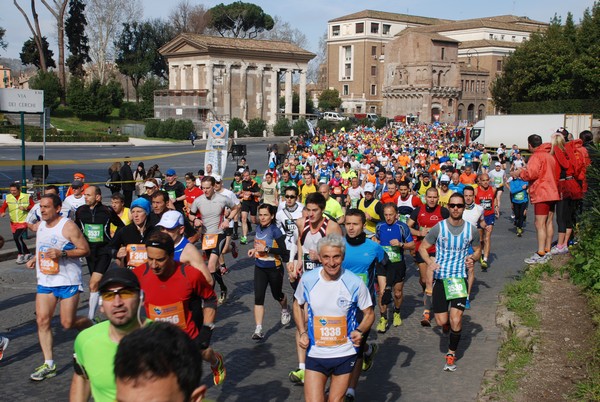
{"x":311,"y":16}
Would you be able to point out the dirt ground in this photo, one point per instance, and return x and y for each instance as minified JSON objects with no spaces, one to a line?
{"x":564,"y":341}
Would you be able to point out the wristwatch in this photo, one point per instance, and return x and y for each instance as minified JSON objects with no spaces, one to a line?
{"x":267,"y":249}
{"x":63,"y":254}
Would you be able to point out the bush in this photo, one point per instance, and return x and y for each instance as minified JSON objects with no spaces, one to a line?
{"x":151,"y":129}
{"x":116,"y":93}
{"x":166,"y":128}
{"x":181,"y":129}
{"x":50,"y":84}
{"x":237,"y":124}
{"x":131,"y":110}
{"x":380,"y":123}
{"x":92,"y":101}
{"x":326,"y":125}
{"x":282,"y":128}
{"x":256,"y":127}
{"x":76,"y":136}
{"x":300,"y":126}
{"x":557,"y":106}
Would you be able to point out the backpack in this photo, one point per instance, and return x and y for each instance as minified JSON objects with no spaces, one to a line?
{"x":579,"y":160}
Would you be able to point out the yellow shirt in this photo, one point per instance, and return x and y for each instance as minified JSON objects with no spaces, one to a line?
{"x":125,"y":217}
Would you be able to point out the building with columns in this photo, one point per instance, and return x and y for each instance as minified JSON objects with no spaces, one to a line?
{"x":216,"y":78}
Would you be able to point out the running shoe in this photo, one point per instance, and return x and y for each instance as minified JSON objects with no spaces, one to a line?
{"x":3,"y":345}
{"x":519,"y":232}
{"x":484,"y":263}
{"x":297,"y":376}
{"x":382,"y":325}
{"x":243,"y":240}
{"x":28,"y":257}
{"x":512,"y":216}
{"x":235,"y":236}
{"x":223,"y":297}
{"x":286,"y":317}
{"x":224,"y":270}
{"x":556,"y":250}
{"x":218,"y":371}
{"x":43,"y":372}
{"x":258,"y":334}
{"x":368,"y":360}
{"x":397,"y":320}
{"x":20,"y":259}
{"x":536,"y":259}
{"x":234,"y":250}
{"x":450,"y":362}
{"x":426,"y":319}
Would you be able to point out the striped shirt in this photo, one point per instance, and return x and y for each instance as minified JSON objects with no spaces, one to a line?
{"x":452,"y":249}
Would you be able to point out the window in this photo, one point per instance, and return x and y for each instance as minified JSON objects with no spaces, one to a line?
{"x":477,"y":86}
{"x":373,"y":89}
{"x":499,"y":65}
{"x":502,"y":37}
{"x":462,"y":85}
{"x":514,"y":38}
{"x":373,"y":70}
{"x":449,"y":102}
{"x":347,"y":53}
{"x":382,"y":49}
{"x":385,"y":29}
{"x":443,"y":52}
{"x":347,"y":71}
{"x":358,"y":108}
{"x":346,"y":89}
{"x":483,"y":88}
{"x":335,"y":30}
{"x":374,"y":28}
{"x":472,"y":86}
{"x":360,"y":27}
{"x":373,"y":50}
{"x":491,"y":36}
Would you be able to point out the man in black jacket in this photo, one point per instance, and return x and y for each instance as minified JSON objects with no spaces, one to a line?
{"x":128,"y":186}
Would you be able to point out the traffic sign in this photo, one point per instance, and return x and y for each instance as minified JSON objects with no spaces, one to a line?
{"x":218,"y":130}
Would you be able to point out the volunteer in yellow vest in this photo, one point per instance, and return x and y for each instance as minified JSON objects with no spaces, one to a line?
{"x":18,"y":205}
{"x":372,"y":208}
{"x":423,"y":185}
{"x":443,"y":191}
{"x":117,"y":202}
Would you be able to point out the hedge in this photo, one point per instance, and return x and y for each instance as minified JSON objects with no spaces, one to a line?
{"x":577,"y":106}
{"x":36,"y":134}
{"x":170,"y":128}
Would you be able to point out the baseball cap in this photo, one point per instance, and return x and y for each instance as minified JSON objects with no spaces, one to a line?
{"x":323,"y":180}
{"x":369,"y":188}
{"x":497,"y":164}
{"x":444,"y":179}
{"x":149,"y":184}
{"x":217,"y":178}
{"x":171,"y":220}
{"x":171,"y":172}
{"x":141,"y":203}
{"x":121,"y":276}
{"x":425,"y":174}
{"x":77,"y":184}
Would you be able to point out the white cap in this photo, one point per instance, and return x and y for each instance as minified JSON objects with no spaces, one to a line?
{"x":217,"y":178}
{"x":369,"y":188}
{"x":445,"y":178}
{"x":498,"y":164}
{"x":171,"y":220}
{"x":149,"y":184}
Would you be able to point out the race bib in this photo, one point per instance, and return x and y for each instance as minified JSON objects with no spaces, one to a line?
{"x":498,"y":181}
{"x":94,"y":232}
{"x":520,"y":196}
{"x":209,"y":241}
{"x":47,"y":265}
{"x":172,"y":195}
{"x":486,"y":204}
{"x":403,"y":218}
{"x":354,"y":202}
{"x":290,"y":226}
{"x":330,"y":331}
{"x":309,"y":264}
{"x":394,"y":253}
{"x":136,"y":255}
{"x":172,"y":313}
{"x":337,"y":190}
{"x":455,"y":288}
{"x":263,"y":243}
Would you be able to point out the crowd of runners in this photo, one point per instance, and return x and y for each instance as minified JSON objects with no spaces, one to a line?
{"x":343,"y":216}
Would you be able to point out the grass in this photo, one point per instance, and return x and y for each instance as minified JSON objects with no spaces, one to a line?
{"x":63,"y":119}
{"x":516,"y":353}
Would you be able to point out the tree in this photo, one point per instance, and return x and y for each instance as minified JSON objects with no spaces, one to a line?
{"x":239,"y":20}
{"x":329,"y":99}
{"x":3,"y":43}
{"x":30,"y":54}
{"x":50,"y":84}
{"x":159,"y":33}
{"x":317,"y":67}
{"x":105,"y":18}
{"x":58,"y":10}
{"x":283,"y":31}
{"x":135,"y":53}
{"x":77,"y":41}
{"x":296,"y":103}
{"x":36,"y":32}
{"x":189,"y":18}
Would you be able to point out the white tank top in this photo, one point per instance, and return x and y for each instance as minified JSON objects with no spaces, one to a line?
{"x":61,"y":272}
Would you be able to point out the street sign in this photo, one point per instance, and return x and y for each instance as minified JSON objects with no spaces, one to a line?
{"x":218,"y":130}
{"x":21,"y":100}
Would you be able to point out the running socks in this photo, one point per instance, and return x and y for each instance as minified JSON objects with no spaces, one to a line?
{"x":218,"y":278}
{"x":454,"y":339}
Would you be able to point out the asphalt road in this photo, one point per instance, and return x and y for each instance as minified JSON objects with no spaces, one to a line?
{"x":408,"y":365}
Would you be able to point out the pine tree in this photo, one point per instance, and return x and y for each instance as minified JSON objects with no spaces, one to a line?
{"x":77,"y":39}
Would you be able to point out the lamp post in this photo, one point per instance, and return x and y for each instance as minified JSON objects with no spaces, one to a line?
{"x":476,"y":109}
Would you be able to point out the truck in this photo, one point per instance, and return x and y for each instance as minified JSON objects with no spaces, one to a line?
{"x":514,"y":129}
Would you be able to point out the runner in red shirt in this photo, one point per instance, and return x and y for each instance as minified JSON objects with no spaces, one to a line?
{"x":485,"y":195}
{"x":179,"y":294}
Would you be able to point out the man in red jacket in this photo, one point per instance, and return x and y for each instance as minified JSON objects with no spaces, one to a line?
{"x":543,"y":191}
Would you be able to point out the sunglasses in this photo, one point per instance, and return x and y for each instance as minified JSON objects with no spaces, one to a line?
{"x":456,"y":205}
{"x":109,"y":295}
{"x":290,"y":197}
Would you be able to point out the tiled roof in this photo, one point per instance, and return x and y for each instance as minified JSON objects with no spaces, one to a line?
{"x":432,"y":35}
{"x":383,"y":15}
{"x":478,"y":23}
{"x":487,"y":43}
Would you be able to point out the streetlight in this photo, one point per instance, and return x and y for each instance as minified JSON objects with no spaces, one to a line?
{"x":469,"y":54}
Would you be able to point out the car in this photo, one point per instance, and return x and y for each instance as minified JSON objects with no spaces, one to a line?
{"x":332,"y":116}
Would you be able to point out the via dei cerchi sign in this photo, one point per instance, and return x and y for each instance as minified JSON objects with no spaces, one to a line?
{"x":21,"y":100}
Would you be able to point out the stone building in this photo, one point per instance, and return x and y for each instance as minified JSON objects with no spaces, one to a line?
{"x":215,"y":78}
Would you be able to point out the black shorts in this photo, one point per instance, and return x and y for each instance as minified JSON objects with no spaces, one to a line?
{"x":272,"y":277}
{"x":398,"y":272}
{"x":329,"y":366}
{"x":218,"y":250}
{"x":439,"y":302}
{"x":99,"y":259}
{"x":249,"y":206}
{"x":419,"y":259}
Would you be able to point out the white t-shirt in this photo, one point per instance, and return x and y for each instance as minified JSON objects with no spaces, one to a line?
{"x":473,"y":215}
{"x":497,"y":177}
{"x":289,"y":227}
{"x":70,"y":205}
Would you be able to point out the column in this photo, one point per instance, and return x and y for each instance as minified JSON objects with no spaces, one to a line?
{"x":302,"y":109}
{"x":288,"y":93}
{"x":260,"y":88}
{"x":195,"y":77}
{"x":173,"y":76}
{"x":208,"y":67}
{"x":226,"y":93}
{"x":244,"y":92}
{"x":274,"y":95}
{"x":183,"y":70}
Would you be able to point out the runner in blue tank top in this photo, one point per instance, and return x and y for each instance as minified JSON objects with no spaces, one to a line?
{"x":395,"y":237}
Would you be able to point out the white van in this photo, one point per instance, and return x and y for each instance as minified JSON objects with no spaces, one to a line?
{"x":332,"y":116}
{"x":372,"y":116}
